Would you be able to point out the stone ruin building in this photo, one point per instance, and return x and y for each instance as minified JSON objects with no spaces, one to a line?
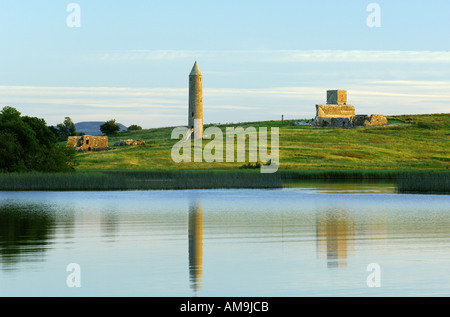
{"x":337,"y":114}
{"x":129,"y":142}
{"x":88,"y":143}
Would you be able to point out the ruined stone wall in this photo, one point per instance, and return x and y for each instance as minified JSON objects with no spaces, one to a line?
{"x":377,"y":119}
{"x":129,"y":142}
{"x":88,"y":142}
{"x":360,"y":120}
{"x":365,"y":120}
{"x":72,"y":141}
{"x":334,"y":111}
{"x":341,"y":122}
{"x":351,"y":121}
{"x":326,"y":113}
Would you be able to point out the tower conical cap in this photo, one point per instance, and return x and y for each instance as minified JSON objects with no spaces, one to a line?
{"x":195,"y":70}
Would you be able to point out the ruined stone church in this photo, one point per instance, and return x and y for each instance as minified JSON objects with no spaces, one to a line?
{"x":337,"y":114}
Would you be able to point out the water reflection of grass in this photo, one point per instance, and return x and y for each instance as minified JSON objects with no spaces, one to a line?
{"x":413,"y":181}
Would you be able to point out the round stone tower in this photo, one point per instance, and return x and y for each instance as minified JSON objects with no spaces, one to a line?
{"x":195,"y":114}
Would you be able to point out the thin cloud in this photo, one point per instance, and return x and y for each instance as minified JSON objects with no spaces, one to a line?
{"x":279,"y":56}
{"x":145,"y":106}
{"x":351,"y":56}
{"x":91,"y":91}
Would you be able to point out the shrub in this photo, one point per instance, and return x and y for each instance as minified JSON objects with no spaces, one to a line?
{"x":65,"y":129}
{"x":110,"y":127}
{"x":134,"y":127}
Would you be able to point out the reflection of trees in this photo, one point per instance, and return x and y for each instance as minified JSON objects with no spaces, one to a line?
{"x":24,"y":229}
{"x":196,"y":244}
{"x":335,"y":236}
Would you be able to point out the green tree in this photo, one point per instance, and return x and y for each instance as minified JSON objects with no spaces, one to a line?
{"x":54,"y":130}
{"x":43,"y":134}
{"x":11,"y":121}
{"x":65,"y":129}
{"x":10,"y":150}
{"x":27,"y":144}
{"x":134,"y":127}
{"x":110,"y":127}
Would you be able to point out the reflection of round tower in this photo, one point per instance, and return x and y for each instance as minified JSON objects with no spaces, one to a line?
{"x":196,"y":102}
{"x":196,"y":244}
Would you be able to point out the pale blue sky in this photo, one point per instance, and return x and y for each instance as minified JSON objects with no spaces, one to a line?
{"x":130,"y":60}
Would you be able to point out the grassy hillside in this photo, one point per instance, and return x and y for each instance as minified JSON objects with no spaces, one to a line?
{"x":410,"y":143}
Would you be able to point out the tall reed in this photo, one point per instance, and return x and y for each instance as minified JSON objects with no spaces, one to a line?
{"x":438,"y":183}
{"x":137,"y":180}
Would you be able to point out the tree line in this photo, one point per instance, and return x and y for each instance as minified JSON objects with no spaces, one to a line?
{"x":111,"y":127}
{"x":28,"y":144}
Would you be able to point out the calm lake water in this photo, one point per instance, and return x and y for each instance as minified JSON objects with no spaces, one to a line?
{"x":306,"y":240}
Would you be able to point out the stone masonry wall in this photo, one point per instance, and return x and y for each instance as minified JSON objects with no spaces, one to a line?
{"x":336,"y":97}
{"x":88,"y":142}
{"x":334,"y":111}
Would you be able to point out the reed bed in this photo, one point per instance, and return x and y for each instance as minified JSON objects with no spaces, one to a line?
{"x":137,"y":181}
{"x":412,"y":182}
{"x":434,"y":183}
{"x":336,"y":174}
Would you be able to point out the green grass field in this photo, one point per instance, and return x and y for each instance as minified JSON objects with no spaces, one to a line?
{"x":409,"y":143}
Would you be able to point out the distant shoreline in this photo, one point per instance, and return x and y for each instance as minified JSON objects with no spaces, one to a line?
{"x":414,"y":153}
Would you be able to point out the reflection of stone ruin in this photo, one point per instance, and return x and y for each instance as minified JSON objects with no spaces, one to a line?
{"x":335,"y":237}
{"x":336,"y":113}
{"x":129,"y":142}
{"x":88,"y":143}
